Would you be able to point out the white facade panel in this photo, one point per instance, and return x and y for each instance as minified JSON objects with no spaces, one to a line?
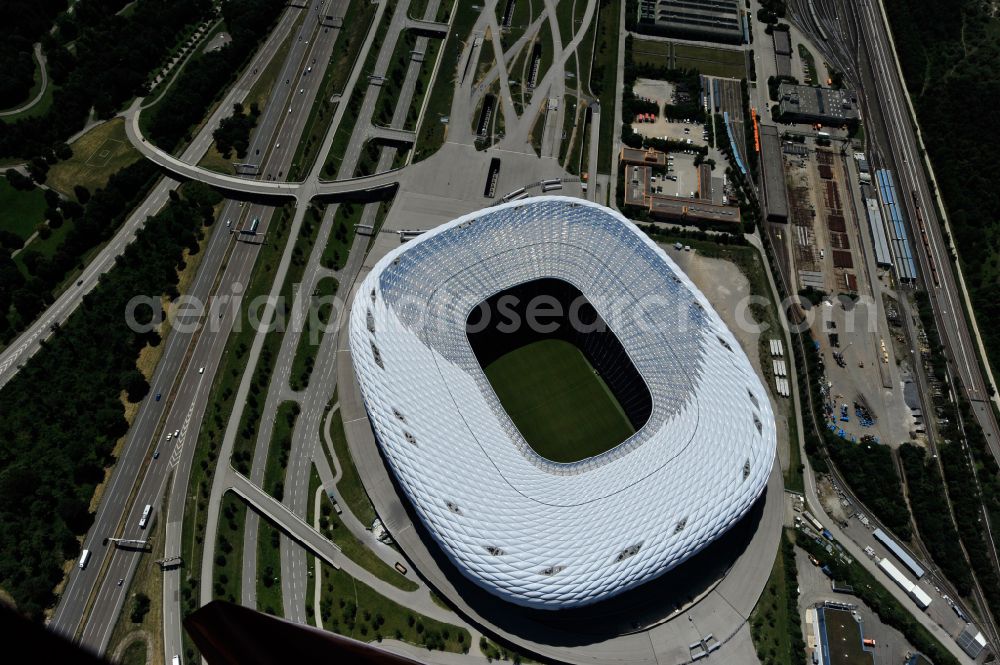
{"x":532,"y":531}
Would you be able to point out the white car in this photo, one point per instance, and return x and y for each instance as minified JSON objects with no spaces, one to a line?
{"x":177,"y":433}
{"x":169,"y":434}
{"x":201,"y":370}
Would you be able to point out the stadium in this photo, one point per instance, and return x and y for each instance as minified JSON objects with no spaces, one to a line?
{"x":563,"y":409}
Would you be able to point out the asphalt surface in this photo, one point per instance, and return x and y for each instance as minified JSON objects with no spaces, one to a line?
{"x":27,"y":343}
{"x":191,"y":393}
{"x":70,"y":610}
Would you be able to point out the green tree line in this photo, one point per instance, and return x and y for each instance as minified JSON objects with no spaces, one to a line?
{"x":98,"y":59}
{"x":62,"y":413}
{"x":207,"y":75}
{"x":25,"y":22}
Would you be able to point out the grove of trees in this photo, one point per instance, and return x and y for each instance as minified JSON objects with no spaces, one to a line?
{"x":930,"y":511}
{"x":950,"y":57}
{"x":23,"y":297}
{"x":207,"y":75}
{"x":98,"y":59}
{"x":62,"y":413}
{"x":233,"y":133}
{"x":25,"y":22}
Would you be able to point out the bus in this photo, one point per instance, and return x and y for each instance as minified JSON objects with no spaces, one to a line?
{"x":144,"y":520}
{"x":253,"y":225}
{"x":84,"y":559}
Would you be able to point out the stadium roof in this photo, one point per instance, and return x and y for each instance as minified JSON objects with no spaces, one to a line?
{"x":533,"y":531}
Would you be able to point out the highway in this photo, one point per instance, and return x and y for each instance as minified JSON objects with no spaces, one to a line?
{"x":70,"y":610}
{"x":27,"y":343}
{"x":191,"y":394}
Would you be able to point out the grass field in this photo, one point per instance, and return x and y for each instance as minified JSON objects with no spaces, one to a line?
{"x":771,"y":622}
{"x":20,"y":212}
{"x":97,"y":155}
{"x":710,"y":61}
{"x":604,"y":79}
{"x":561,"y":406}
{"x":352,"y":491}
{"x":333,"y":528}
{"x":354,"y":609}
{"x":215,"y":161}
{"x":844,"y":637}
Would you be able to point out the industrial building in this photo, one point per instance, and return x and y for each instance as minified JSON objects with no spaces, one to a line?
{"x":876,"y":226}
{"x":665,"y":207}
{"x":528,"y":530}
{"x":782,"y":51}
{"x":639,"y":157}
{"x":775,"y":196}
{"x":807,"y":104}
{"x":918,"y":595}
{"x":899,"y":553}
{"x":637,"y":185}
{"x":691,"y":211}
{"x":971,"y":641}
{"x":899,"y":242}
{"x":705,"y":20}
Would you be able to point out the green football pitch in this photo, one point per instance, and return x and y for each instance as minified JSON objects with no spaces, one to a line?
{"x":559,"y":403}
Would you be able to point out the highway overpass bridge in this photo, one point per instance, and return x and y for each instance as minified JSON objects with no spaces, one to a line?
{"x":262,"y":188}
{"x":277,"y":513}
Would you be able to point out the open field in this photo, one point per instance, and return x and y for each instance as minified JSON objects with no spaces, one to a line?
{"x":349,"y":486}
{"x":561,"y":406}
{"x":97,"y":155}
{"x":20,"y":212}
{"x":354,"y":609}
{"x":710,"y":61}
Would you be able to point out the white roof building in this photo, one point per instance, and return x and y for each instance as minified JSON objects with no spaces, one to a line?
{"x":532,"y":531}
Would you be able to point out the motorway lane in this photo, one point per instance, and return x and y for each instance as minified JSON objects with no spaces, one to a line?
{"x":71,"y":607}
{"x":27,"y":343}
{"x":238,"y":270}
{"x":289,"y":130}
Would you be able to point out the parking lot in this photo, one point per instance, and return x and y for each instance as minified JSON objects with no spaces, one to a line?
{"x":815,"y":587}
{"x":680,"y":166}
